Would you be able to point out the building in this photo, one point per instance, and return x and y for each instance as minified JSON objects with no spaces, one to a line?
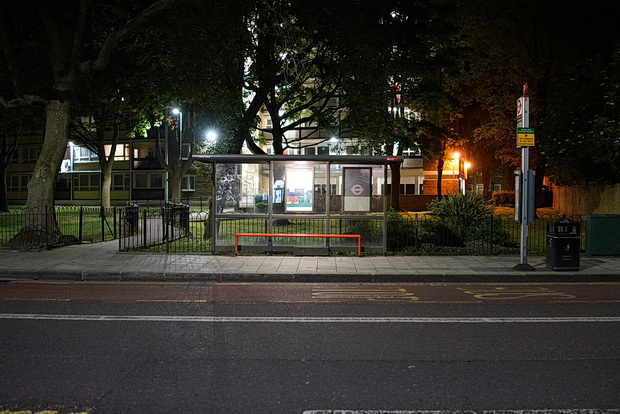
{"x":136,"y":176}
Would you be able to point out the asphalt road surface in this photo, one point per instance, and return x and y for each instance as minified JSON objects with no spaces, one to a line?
{"x":309,"y":348}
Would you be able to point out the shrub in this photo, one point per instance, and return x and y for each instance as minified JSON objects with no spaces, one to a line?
{"x":464,"y":214}
{"x":504,"y":198}
{"x":440,"y":233}
{"x":364,"y":228}
{"x":400,"y":232}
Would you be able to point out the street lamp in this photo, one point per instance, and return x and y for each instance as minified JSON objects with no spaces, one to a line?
{"x":334,"y":141}
{"x":211,"y":136}
{"x":177,"y":111}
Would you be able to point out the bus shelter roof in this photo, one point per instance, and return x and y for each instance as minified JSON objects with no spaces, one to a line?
{"x":259,"y":158}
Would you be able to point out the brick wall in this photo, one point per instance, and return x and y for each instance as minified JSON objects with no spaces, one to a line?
{"x":448,"y":186}
{"x":416,"y":202}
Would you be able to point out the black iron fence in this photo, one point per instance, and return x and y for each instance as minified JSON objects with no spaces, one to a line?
{"x":410,"y":234}
{"x":155,"y":228}
{"x":177,"y":228}
{"x":496,"y":235}
{"x":31,"y":228}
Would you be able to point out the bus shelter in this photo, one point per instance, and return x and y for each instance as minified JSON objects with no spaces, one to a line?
{"x":299,"y":204}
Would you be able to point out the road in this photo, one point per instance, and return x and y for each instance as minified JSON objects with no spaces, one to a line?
{"x":309,"y":348}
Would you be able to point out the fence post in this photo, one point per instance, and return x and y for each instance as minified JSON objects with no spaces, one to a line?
{"x":81,"y":224}
{"x":168,"y":221}
{"x":492,"y":217}
{"x":114,"y":222}
{"x":120,"y":230}
{"x":144,"y":229}
{"x":416,"y":233}
{"x":102,"y":217}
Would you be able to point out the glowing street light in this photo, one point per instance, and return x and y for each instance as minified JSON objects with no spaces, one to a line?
{"x":211,"y":136}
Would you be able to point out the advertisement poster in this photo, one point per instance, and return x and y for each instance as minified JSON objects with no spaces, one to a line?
{"x":357,"y":189}
{"x":299,"y":186}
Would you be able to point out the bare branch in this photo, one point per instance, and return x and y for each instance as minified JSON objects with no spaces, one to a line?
{"x":115,"y":38}
{"x":11,"y":59}
{"x":20,"y":102}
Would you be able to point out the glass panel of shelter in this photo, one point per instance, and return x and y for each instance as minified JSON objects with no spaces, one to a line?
{"x":300,"y":193}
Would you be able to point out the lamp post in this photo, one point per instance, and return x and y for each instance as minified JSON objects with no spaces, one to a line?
{"x":178,"y":112}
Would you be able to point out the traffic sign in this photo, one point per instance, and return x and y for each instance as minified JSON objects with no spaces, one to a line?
{"x":525,"y":137}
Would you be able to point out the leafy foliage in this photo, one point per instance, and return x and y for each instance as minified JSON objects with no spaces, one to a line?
{"x":463,"y":214}
{"x":496,"y":46}
{"x":399,"y":231}
{"x":583,"y":132}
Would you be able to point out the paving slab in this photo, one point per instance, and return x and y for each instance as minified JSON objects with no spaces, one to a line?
{"x":102,"y":261}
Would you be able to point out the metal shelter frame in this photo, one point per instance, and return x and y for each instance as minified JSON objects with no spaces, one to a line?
{"x":328,"y":216}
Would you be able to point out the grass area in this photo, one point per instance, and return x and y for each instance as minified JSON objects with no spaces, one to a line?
{"x":401,"y":235}
{"x":71,"y":220}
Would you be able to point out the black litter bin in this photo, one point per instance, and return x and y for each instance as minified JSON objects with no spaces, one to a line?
{"x":131,"y":217}
{"x":563,"y":244}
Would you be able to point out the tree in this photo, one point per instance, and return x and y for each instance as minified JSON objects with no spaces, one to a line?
{"x":584,"y":125}
{"x":12,"y":123}
{"x":98,"y":110}
{"x":290,"y":73}
{"x":187,"y":71}
{"x":495,"y":47}
{"x":386,"y":72}
{"x":78,"y":38}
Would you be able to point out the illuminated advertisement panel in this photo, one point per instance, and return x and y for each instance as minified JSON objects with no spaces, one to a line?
{"x":299,"y":186}
{"x":357,"y":189}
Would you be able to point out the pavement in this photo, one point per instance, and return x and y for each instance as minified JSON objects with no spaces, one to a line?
{"x":103,"y":262}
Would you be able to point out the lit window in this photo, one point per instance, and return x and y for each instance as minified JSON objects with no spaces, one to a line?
{"x":121,"y":153}
{"x":83,"y":154}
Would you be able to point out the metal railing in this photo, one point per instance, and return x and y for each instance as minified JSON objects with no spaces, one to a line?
{"x":175,"y":228}
{"x":149,"y":227}
{"x":497,"y":235}
{"x":31,"y":228}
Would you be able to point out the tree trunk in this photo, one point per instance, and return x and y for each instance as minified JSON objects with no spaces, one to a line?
{"x":106,"y":162}
{"x":439,"y":176}
{"x":42,"y":185}
{"x":174,"y":182}
{"x":4,"y":203}
{"x":106,"y":185}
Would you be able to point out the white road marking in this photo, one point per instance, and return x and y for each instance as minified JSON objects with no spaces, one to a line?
{"x":544,"y":411}
{"x":306,"y":319}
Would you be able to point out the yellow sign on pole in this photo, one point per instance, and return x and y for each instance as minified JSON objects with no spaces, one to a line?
{"x":525,"y":137}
